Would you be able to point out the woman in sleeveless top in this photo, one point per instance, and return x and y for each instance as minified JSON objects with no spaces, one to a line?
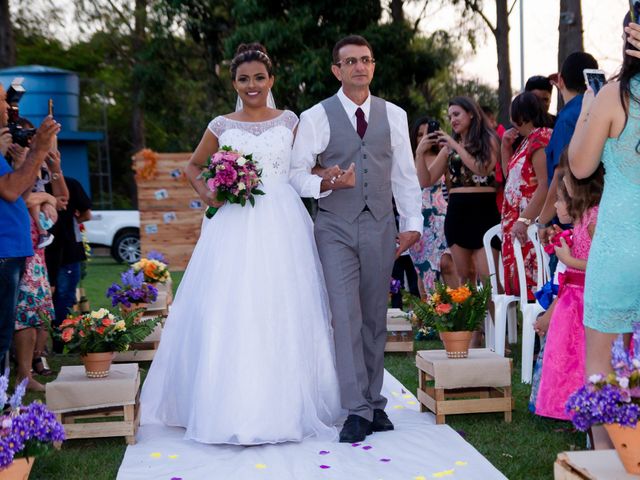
{"x":467,"y":159}
{"x":607,"y":131}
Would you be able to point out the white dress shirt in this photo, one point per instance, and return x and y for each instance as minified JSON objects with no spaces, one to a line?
{"x":312,"y":139}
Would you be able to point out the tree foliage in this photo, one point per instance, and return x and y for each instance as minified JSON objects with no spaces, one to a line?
{"x":172,"y":64}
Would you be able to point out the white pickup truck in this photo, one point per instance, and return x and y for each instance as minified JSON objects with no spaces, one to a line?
{"x":117,"y":229}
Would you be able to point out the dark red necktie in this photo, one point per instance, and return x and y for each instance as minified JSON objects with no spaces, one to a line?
{"x":361,"y":123}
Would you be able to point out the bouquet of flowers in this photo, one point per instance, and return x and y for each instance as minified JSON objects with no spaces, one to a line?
{"x":133,"y":290}
{"x":453,"y":310}
{"x":614,"y":398}
{"x":25,"y":431}
{"x":234,"y":178}
{"x":101,"y":331}
{"x":155,"y":271}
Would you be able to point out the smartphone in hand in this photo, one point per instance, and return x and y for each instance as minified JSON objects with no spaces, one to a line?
{"x":594,"y":78}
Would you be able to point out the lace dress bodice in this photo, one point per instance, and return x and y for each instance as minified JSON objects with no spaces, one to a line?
{"x":269,"y":141}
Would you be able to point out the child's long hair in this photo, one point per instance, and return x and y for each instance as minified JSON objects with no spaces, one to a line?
{"x":585,"y":193}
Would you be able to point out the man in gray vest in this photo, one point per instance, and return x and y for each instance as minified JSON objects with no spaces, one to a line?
{"x":361,"y":145}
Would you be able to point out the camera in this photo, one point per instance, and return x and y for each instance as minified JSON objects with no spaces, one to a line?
{"x":19,"y":135}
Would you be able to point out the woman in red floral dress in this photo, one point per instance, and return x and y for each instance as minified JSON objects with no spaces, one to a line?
{"x":526,"y":186}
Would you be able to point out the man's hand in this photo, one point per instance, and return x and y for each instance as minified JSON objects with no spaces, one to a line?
{"x":42,"y":141}
{"x":405,"y":240}
{"x":334,"y":178}
{"x":5,"y":141}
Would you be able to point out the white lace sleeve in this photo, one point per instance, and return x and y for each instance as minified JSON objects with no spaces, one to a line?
{"x":290,"y":119}
{"x":217,"y":126}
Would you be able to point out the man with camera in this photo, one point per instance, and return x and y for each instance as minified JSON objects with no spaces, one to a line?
{"x":15,"y":237}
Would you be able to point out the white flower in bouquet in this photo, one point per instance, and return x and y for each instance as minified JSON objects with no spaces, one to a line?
{"x":103,"y":312}
{"x":241,"y":161}
{"x":241,"y":186}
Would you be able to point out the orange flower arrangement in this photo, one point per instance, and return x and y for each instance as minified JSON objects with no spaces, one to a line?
{"x":454,"y":309}
{"x":149,"y":169}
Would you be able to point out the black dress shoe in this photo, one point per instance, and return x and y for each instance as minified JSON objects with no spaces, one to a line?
{"x":381,"y":422}
{"x":355,"y":429}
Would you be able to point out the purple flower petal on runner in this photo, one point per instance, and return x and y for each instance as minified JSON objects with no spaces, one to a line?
{"x":385,"y":460}
{"x":324,"y":452}
{"x":367,"y":447}
{"x":324,"y":467}
{"x":356,"y":444}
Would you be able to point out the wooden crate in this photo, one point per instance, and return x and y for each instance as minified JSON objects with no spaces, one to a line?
{"x":399,"y":332}
{"x":142,"y":351}
{"x":449,"y":397}
{"x":116,"y":399}
{"x":168,"y":221}
{"x":590,"y":465}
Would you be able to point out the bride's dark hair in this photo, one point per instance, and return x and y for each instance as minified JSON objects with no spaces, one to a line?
{"x":250,"y":52}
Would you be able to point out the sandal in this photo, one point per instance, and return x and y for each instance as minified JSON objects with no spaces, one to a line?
{"x":40,"y":367}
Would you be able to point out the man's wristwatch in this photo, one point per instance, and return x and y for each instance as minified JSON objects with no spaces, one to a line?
{"x":526,"y":221}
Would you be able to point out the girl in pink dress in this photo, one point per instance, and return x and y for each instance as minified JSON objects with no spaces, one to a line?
{"x":563,"y":364}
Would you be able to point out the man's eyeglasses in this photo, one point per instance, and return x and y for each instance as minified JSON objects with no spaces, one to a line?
{"x":352,"y":61}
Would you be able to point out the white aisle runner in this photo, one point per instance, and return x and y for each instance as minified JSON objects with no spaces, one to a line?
{"x":416,"y":450}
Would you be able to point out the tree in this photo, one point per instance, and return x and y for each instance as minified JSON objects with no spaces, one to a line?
{"x":500,"y":31}
{"x":7,"y":43}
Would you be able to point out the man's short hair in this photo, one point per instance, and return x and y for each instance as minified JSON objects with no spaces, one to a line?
{"x":572,"y":68}
{"x":349,"y":40}
{"x":538,"y":82}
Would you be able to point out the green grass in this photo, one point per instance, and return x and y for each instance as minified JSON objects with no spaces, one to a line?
{"x":524,"y":449}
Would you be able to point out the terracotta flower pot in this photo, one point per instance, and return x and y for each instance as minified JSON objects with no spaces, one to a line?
{"x":627,"y":443}
{"x":456,"y":343}
{"x":97,"y":365}
{"x":19,"y":469}
{"x":126,"y":310}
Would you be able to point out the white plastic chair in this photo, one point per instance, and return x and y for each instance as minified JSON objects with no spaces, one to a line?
{"x":503,"y":304}
{"x":530,"y":312}
{"x":542,"y":259}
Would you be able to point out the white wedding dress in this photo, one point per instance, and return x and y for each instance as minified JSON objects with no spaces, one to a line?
{"x":246,"y":355}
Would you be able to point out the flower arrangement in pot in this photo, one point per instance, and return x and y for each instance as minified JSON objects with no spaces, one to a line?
{"x":154,"y":268}
{"x":455,"y":314}
{"x":96,"y":336}
{"x":26,"y":432}
{"x":132,"y":293}
{"x":613,"y":400}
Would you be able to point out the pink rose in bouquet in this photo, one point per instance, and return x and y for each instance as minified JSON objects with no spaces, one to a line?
{"x":233,"y":177}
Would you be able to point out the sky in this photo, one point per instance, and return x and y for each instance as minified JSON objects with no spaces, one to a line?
{"x":601,"y":20}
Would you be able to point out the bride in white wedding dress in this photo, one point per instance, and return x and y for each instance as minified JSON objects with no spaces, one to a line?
{"x":247,"y":352}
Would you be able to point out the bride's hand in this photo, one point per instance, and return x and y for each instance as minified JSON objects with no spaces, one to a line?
{"x":210,"y":200}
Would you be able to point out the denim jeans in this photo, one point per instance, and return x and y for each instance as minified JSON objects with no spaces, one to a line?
{"x":65,"y":295}
{"x":10,"y":271}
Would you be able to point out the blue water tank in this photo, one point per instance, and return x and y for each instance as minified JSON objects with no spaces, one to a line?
{"x":41,"y":84}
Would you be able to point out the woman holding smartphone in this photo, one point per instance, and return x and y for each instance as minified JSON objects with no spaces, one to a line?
{"x":607,"y":132}
{"x":467,"y":159}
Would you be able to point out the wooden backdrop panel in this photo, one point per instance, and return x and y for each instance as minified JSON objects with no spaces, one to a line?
{"x":170,"y":211}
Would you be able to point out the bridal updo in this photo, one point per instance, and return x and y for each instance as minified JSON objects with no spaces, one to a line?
{"x":250,"y":52}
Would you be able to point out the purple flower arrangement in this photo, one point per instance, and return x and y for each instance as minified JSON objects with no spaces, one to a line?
{"x":25,"y":431}
{"x":614,"y":398}
{"x":156,"y":255}
{"x":233,"y":177}
{"x":394,"y":286}
{"x":133,"y":290}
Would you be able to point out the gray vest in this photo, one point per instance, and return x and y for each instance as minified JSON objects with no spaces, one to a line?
{"x":372,"y":156}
